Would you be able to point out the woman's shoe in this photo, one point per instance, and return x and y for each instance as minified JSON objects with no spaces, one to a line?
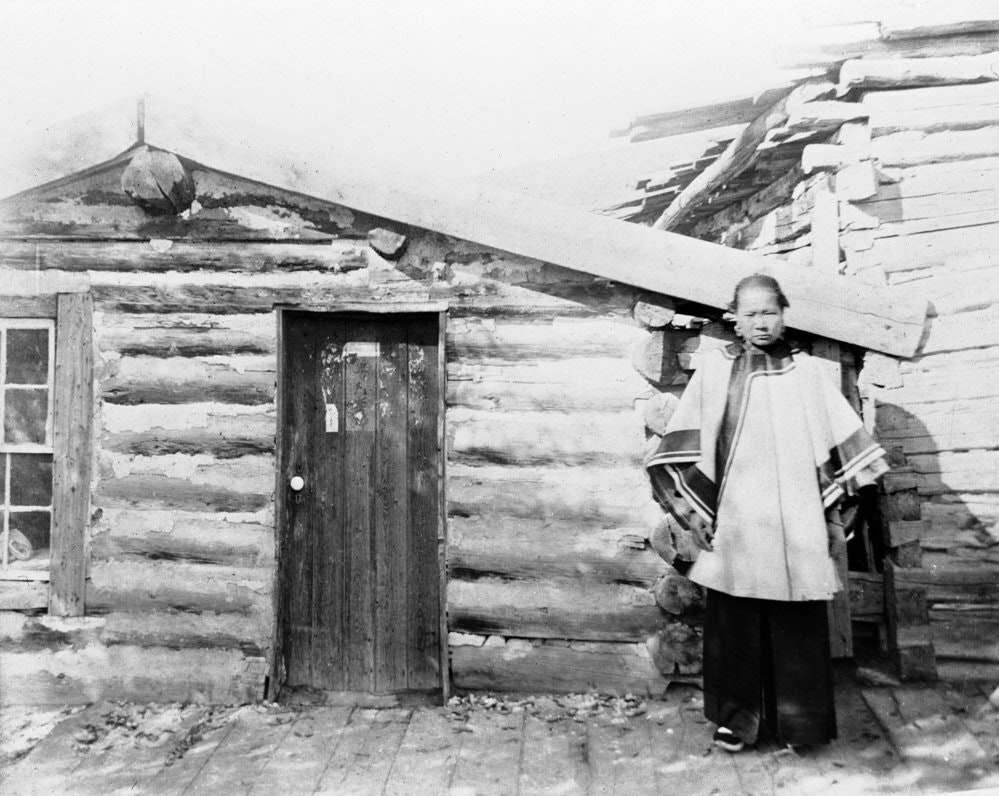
{"x":725,"y":739}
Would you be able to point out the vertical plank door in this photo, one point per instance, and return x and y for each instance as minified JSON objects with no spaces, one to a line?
{"x":359,"y":579}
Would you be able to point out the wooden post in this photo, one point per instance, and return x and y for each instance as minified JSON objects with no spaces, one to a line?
{"x":840,"y":633}
{"x":909,"y":639}
{"x":72,"y":443}
{"x":825,"y":228}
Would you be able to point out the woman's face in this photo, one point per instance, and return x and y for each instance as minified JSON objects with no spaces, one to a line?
{"x":759,"y":319}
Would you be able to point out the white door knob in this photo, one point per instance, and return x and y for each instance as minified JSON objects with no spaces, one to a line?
{"x":296,"y":483}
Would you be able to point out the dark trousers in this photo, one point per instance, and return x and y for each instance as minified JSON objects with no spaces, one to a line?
{"x":767,"y":664}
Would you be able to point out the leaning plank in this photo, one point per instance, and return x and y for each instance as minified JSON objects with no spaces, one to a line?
{"x":924,"y":729}
{"x":519,"y":665}
{"x":72,"y":453}
{"x":625,"y":253}
{"x":577,"y":609}
{"x":896,"y":72}
{"x":739,"y":155}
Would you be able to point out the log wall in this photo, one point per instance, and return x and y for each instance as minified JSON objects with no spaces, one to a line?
{"x":551,"y":579}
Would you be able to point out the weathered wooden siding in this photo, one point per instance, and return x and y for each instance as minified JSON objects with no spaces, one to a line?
{"x":548,"y":510}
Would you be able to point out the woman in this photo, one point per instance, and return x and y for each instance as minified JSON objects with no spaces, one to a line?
{"x":760,"y":450}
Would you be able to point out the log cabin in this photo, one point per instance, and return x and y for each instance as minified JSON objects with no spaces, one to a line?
{"x":883,"y":166}
{"x":280,"y":417}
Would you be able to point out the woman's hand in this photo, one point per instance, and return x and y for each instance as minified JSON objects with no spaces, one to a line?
{"x":702,"y":532}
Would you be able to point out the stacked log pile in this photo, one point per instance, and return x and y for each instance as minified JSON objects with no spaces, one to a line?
{"x":904,"y":193}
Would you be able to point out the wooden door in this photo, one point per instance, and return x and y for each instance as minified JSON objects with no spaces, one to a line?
{"x":359,"y":574}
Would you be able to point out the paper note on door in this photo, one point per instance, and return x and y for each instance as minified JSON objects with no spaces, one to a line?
{"x":361,"y":348}
{"x":332,"y":419}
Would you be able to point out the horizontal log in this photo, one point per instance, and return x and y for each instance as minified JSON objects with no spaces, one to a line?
{"x":520,"y":666}
{"x":221,"y":440}
{"x":958,"y":585}
{"x":19,"y":595}
{"x":236,"y":530}
{"x":946,"y":249}
{"x":916,"y":99}
{"x":37,"y":216}
{"x":615,"y":497}
{"x":972,"y":220}
{"x":148,"y":588}
{"x":897,"y":72}
{"x":166,"y":547}
{"x":139,"y":674}
{"x":538,"y":438}
{"x":578,"y":385}
{"x":251,"y":634}
{"x":573,"y":338}
{"x":533,"y":550}
{"x":13,"y":306}
{"x":960,"y":386}
{"x":907,"y":150}
{"x":241,"y":379}
{"x":937,"y":178}
{"x":185,"y":335}
{"x":569,"y":608}
{"x":897,"y":216}
{"x":122,"y":418}
{"x":934,"y":120}
{"x":160,"y":491}
{"x":865,"y":40}
{"x":479,"y":298}
{"x":964,"y":331}
{"x":253,"y":473}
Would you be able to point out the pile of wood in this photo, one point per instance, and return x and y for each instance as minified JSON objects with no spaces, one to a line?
{"x":900,"y":191}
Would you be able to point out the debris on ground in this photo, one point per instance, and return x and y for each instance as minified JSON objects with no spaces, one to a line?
{"x":562,"y":707}
{"x":21,"y":727}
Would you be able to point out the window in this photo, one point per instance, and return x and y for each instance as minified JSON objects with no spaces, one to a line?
{"x":27,"y":357}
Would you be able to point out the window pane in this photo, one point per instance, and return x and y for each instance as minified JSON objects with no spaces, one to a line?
{"x":24,"y":419}
{"x":30,"y":479}
{"x":27,"y":356}
{"x":29,"y":536}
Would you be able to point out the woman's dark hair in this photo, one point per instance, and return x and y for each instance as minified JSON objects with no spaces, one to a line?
{"x":763,"y":282}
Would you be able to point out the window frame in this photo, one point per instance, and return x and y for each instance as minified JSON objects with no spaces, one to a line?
{"x":10,"y":570}
{"x":72,"y":406}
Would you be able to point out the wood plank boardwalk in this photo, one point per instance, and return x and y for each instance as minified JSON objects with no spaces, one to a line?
{"x":892,"y":740}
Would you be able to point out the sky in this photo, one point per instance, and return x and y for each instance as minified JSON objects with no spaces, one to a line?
{"x":458,"y":87}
